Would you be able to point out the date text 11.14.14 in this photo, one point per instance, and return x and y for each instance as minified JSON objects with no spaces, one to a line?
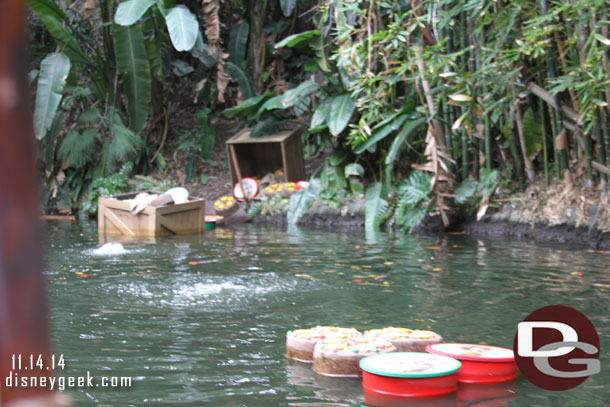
{"x":36,"y":362}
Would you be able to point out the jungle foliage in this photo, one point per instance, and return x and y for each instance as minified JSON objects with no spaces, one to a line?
{"x":437,"y":102}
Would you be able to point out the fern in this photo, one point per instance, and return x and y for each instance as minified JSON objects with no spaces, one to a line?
{"x":415,"y":188}
{"x":413,"y":218}
{"x":413,"y":201}
{"x":124,"y":145}
{"x":79,"y":149}
{"x":255,"y":209}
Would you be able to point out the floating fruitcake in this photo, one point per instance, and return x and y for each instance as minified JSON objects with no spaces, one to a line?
{"x":300,"y":343}
{"x":274,"y":189}
{"x":406,"y":340}
{"x":341,"y":357}
{"x":288,"y":189}
{"x":226,"y":205}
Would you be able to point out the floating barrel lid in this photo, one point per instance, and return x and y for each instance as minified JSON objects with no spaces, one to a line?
{"x":250,"y":186}
{"x":480,"y":363}
{"x":409,"y":374}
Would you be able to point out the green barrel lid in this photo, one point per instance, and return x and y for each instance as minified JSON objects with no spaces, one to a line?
{"x":410,"y":365}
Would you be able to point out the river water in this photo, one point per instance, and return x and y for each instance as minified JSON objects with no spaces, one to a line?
{"x":213,"y":333}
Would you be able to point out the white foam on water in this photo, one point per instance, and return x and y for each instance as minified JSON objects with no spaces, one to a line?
{"x":109,"y":249}
{"x":202,"y":289}
{"x":210,"y":291}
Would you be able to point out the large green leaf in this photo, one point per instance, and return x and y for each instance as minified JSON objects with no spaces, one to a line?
{"x":64,"y":39}
{"x":267,"y":127}
{"x":245,"y":83}
{"x":131,"y":11}
{"x":318,"y":120}
{"x":248,"y":106}
{"x":238,"y":43}
{"x":183,"y":28}
{"x":375,"y":206}
{"x":201,"y":51}
{"x":131,"y":60}
{"x":532,"y":132}
{"x":340,"y":112}
{"x":295,"y":39}
{"x":301,"y":201}
{"x":54,"y":70}
{"x":400,"y":139}
{"x":47,"y":8}
{"x":288,"y":7}
{"x":319,"y":47}
{"x":354,"y":170}
{"x":379,"y":133}
{"x":290,"y":98}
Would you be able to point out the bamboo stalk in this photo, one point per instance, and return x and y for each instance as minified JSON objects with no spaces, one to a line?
{"x":513,"y":148}
{"x":529,"y":167}
{"x":486,"y":123}
{"x":545,"y":153}
{"x":601,"y":148}
{"x":563,"y":156}
{"x":464,"y":154}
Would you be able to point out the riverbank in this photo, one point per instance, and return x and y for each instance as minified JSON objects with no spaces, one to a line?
{"x":540,"y":233}
{"x":510,"y":221}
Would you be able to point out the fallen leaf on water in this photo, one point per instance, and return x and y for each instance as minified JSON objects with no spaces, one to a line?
{"x":434,"y":248}
{"x":389,"y":263}
{"x":437,"y":269}
{"x":306,"y":276}
{"x":419,"y":320}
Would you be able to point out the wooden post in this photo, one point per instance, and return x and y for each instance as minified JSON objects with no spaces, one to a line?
{"x":23,"y":310}
{"x":238,"y":171}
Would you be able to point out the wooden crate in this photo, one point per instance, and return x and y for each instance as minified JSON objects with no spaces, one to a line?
{"x":257,"y":156}
{"x":114,"y":218}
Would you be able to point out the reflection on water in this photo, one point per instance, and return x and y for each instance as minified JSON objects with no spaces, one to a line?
{"x":201,"y":320}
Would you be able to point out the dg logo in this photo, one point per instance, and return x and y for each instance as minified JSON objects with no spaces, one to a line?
{"x":557,"y":348}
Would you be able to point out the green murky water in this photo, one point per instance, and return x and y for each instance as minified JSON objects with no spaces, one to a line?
{"x":213,"y":333}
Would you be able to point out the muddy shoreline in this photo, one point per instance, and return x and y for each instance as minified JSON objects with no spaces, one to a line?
{"x":486,"y":228}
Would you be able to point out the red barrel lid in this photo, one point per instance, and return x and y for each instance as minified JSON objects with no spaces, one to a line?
{"x":409,"y":365}
{"x":472,"y":352}
{"x":249,"y":185}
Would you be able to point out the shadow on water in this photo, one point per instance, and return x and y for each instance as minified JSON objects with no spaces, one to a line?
{"x":199,"y":320}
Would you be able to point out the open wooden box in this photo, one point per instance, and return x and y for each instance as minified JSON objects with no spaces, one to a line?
{"x":114,"y":217}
